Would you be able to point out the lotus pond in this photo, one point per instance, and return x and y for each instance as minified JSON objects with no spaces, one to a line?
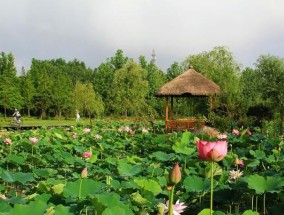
{"x":116,"y":169}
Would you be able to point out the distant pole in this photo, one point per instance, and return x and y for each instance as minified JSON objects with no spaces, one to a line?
{"x":153,"y":56}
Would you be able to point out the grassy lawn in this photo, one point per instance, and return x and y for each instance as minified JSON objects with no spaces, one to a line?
{"x":47,"y":122}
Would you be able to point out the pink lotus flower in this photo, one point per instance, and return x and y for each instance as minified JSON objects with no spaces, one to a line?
{"x":127,"y":129}
{"x":74,"y":136}
{"x":33,"y":140}
{"x":87,"y":130}
{"x":131,"y":132}
{"x":8,"y":141}
{"x":249,"y":132}
{"x":178,"y":207}
{"x":212,"y":151}
{"x":235,"y":174}
{"x":239,"y":162}
{"x":236,"y":132}
{"x":87,"y":154}
{"x":98,"y":137}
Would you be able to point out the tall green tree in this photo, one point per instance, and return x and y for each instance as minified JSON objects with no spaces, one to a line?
{"x":219,"y":66}
{"x":271,"y":70}
{"x":156,"y":78}
{"x":27,"y":91}
{"x":130,"y":90}
{"x":10,"y":96}
{"x":103,"y":83}
{"x":42,"y":80}
{"x":77,"y":71}
{"x":61,"y":94}
{"x":86,"y":100}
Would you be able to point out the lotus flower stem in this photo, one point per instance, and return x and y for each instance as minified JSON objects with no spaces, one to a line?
{"x":256,"y":198}
{"x":252,"y":202}
{"x":80,"y":189}
{"x":264,"y":208}
{"x":211,"y":189}
{"x":171,"y":199}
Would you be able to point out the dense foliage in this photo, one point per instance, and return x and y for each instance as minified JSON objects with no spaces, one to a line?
{"x":43,"y":172}
{"x":122,"y":87}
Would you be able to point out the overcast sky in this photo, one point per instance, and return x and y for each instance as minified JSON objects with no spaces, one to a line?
{"x":92,"y":30}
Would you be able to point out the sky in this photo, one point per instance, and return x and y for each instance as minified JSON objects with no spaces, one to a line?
{"x":92,"y":30}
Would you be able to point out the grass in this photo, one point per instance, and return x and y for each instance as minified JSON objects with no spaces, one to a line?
{"x":40,"y":122}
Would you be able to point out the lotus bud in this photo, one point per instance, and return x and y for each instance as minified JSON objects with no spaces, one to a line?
{"x":239,"y":162}
{"x":175,"y":175}
{"x":161,"y":209}
{"x":84,"y":173}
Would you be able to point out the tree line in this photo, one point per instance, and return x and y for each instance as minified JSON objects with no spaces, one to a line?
{"x":122,"y":87}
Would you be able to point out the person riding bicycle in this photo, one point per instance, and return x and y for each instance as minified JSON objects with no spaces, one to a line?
{"x":17,"y":116}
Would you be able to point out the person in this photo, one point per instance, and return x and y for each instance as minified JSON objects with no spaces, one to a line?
{"x":17,"y":116}
{"x":77,"y":116}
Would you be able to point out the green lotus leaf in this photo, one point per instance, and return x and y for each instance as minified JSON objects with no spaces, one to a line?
{"x":5,"y":207}
{"x":35,"y":207}
{"x":16,"y":159}
{"x":59,"y":136}
{"x":129,"y":170}
{"x":110,"y":204}
{"x":117,"y":211}
{"x":41,"y":172}
{"x":58,"y":188}
{"x":257,"y":183}
{"x":205,"y":211}
{"x":93,"y":159}
{"x":138,"y":199}
{"x":62,"y":210}
{"x":17,"y":177}
{"x":274,"y":184}
{"x":250,"y":212}
{"x":148,"y":185}
{"x":161,"y":156}
{"x":196,"y":184}
{"x":89,"y":186}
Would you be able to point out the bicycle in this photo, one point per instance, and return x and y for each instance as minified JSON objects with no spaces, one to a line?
{"x":16,"y":121}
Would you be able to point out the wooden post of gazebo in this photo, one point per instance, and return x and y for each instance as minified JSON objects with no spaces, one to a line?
{"x":172,"y":108}
{"x":167,"y":112}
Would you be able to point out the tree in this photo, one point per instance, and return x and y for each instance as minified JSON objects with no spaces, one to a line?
{"x":61,"y":93}
{"x":103,"y":83}
{"x":10,"y":96}
{"x":77,"y":71}
{"x":40,"y":72}
{"x":271,"y":70}
{"x":156,"y":78}
{"x":130,"y":89}
{"x":28,"y":91}
{"x":86,"y":100}
{"x":175,"y":70}
{"x":118,"y":61}
{"x":219,"y":66}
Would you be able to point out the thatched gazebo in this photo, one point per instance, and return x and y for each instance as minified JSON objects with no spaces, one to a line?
{"x":188,"y":84}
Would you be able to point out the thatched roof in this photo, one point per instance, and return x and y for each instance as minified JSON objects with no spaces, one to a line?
{"x":189,"y":83}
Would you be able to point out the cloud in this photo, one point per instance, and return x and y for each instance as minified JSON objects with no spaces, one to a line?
{"x":92,"y":30}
